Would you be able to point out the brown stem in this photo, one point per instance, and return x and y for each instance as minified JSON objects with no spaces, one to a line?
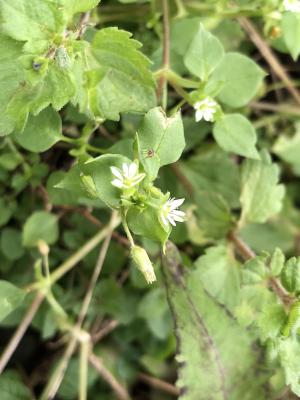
{"x":159,"y":384}
{"x":19,"y":333}
{"x":269,"y":56}
{"x":120,"y":391}
{"x":247,"y":253}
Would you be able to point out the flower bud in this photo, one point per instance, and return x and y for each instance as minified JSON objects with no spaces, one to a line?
{"x":143,"y":263}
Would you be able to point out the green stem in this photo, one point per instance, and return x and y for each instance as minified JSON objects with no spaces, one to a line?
{"x":126,"y":229}
{"x":83,"y":371}
{"x":67,"y":265}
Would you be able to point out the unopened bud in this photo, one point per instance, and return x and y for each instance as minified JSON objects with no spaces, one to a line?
{"x":143,"y":263}
{"x":43,"y":247}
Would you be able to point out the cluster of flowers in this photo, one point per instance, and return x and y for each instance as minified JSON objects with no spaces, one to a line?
{"x":128,"y":177}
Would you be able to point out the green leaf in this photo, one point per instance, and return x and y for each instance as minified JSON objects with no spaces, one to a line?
{"x":75,"y":182}
{"x":289,"y":354}
{"x":41,"y":225}
{"x":147,"y":223}
{"x":277,"y":262}
{"x":41,"y":132}
{"x":214,"y":214}
{"x":10,"y":298}
{"x":39,"y":20}
{"x":209,"y":341}
{"x":154,"y":309}
{"x":290,"y":275}
{"x":242,"y":78}
{"x":235,"y":133}
{"x":290,"y":24}
{"x":11,"y":243}
{"x":12,"y":387}
{"x":163,"y":136}
{"x":220,"y":275}
{"x":213,"y":171}
{"x":204,"y":54}
{"x":73,"y":7}
{"x":288,"y":150}
{"x":271,"y":321}
{"x":11,"y":76}
{"x":124,"y":81}
{"x":261,"y":195}
{"x":99,"y":169}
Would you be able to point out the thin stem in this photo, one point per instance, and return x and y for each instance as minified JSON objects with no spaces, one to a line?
{"x":159,"y":384}
{"x":270,"y":57}
{"x":57,"y":377}
{"x":247,"y":253}
{"x":126,"y":229}
{"x":162,"y":90}
{"x":120,"y":391}
{"x":77,"y":256}
{"x":278,"y":108}
{"x":83,"y":373}
{"x":78,"y":334}
{"x":97,"y":270}
{"x":19,"y":333}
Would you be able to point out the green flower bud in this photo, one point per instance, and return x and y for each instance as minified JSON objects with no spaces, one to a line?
{"x":143,"y":263}
{"x":290,"y":275}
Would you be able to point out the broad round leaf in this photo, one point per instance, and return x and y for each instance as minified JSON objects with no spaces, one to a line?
{"x":40,"y":226}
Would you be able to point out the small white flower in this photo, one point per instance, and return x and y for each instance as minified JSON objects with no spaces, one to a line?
{"x":292,"y":5}
{"x":169,"y":212}
{"x":127,"y":177}
{"x":205,"y":109}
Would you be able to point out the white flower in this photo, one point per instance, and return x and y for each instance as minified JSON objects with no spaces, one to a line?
{"x":127,"y":177}
{"x":205,"y":109}
{"x":292,"y":5}
{"x":169,"y":212}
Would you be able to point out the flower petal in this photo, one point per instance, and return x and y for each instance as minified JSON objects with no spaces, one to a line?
{"x":165,"y":222}
{"x":116,"y":172}
{"x":198,"y":115}
{"x":171,"y":220}
{"x":132,"y":170}
{"x":125,"y":170}
{"x":178,"y":213}
{"x":176,"y":203}
{"x":119,"y":184}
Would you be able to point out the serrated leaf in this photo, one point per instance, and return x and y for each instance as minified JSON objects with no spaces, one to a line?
{"x":290,"y":24}
{"x":214,"y":215}
{"x":261,"y":195}
{"x":271,"y":321}
{"x":124,"y":81}
{"x":289,"y":353}
{"x":204,"y":54}
{"x":10,"y":298}
{"x":41,"y":225}
{"x":41,"y":132}
{"x":235,"y":133}
{"x":209,"y":341}
{"x":77,"y":6}
{"x":220,"y":275}
{"x":242,"y":78}
{"x":30,"y":21}
{"x":163,"y":137}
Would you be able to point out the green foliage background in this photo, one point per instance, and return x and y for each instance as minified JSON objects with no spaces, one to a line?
{"x":86,"y":86}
